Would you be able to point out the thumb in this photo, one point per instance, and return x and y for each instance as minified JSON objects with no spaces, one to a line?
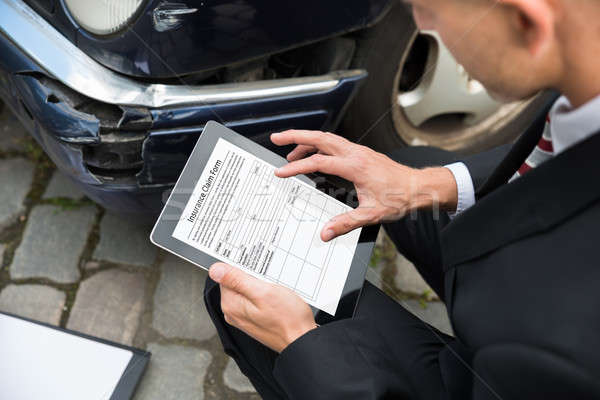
{"x":347,"y":222}
{"x":234,"y":279}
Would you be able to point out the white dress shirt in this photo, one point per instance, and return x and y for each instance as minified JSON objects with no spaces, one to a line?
{"x":568,"y":127}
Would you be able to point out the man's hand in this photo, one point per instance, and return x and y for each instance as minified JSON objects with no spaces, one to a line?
{"x":385,"y":189}
{"x":271,"y":314}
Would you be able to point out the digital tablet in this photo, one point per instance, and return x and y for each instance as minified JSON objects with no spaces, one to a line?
{"x":229,"y":206}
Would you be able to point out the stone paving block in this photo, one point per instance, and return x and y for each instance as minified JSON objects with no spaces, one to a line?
{"x":124,"y":241}
{"x":375,"y":271}
{"x":434,"y":314}
{"x":91,"y":265}
{"x":109,"y":305}
{"x":52,"y":243}
{"x":179,"y":310}
{"x":38,"y":302}
{"x":375,"y":275}
{"x":408,"y":278}
{"x":62,"y":186}
{"x":234,"y":379}
{"x":175,"y":372}
{"x":12,"y":133}
{"x":16,"y":176}
{"x":2,"y":249}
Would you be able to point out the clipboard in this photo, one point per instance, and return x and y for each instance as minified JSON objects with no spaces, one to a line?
{"x":163,"y":233}
{"x":19,"y":378}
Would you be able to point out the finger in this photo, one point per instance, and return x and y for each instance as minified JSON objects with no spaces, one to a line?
{"x":331,"y":165}
{"x":347,"y":222}
{"x":300,"y":152}
{"x":325,"y":142}
{"x":233,"y":321}
{"x":236,"y":280}
{"x":237,"y":310}
{"x":233,"y":305}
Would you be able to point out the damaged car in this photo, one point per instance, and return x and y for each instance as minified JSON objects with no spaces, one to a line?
{"x":117,"y":92}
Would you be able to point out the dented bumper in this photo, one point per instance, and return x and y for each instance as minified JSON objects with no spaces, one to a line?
{"x":125,"y":142}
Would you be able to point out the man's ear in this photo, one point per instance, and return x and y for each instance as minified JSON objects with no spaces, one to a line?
{"x":536,"y":21}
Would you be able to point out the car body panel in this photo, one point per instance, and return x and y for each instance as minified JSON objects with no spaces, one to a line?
{"x":65,"y":124}
{"x":218,"y":33}
{"x":166,"y":152}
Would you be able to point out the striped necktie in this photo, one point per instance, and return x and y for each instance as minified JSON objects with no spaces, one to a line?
{"x":543,"y":152}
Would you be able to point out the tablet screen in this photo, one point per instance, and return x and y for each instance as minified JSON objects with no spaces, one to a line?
{"x":39,"y":362}
{"x":241,"y":213}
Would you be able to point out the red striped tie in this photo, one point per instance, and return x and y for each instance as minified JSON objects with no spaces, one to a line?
{"x":542,"y":153}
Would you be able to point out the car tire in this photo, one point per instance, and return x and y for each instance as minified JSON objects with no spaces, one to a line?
{"x":371,"y":118}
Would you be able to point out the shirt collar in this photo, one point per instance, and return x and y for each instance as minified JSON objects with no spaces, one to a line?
{"x":570,"y":126}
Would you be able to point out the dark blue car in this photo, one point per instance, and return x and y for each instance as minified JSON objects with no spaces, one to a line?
{"x":117,"y":91}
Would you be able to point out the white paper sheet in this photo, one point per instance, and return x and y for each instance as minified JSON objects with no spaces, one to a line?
{"x":39,"y":363}
{"x":241,"y":213}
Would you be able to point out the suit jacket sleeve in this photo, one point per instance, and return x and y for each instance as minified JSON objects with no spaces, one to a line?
{"x":516,"y":371}
{"x":481,"y":165}
{"x":331,"y":363}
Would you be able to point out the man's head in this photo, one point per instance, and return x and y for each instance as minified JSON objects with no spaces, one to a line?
{"x":518,"y":47}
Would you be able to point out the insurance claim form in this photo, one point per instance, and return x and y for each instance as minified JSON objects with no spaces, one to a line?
{"x":241,"y":213}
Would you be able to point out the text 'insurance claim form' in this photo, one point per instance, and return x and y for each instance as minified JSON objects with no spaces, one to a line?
{"x":241,"y":213}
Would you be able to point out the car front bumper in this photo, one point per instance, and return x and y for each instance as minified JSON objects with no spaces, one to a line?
{"x":124,"y":141}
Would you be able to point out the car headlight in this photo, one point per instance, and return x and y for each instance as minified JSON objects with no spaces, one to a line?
{"x":102,"y":17}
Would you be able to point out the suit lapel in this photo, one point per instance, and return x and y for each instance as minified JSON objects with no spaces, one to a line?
{"x":535,"y":202}
{"x":517,"y":155}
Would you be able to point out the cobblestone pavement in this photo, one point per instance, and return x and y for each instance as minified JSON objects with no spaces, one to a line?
{"x":67,"y":262}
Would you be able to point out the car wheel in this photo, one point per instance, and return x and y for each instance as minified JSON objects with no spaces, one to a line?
{"x":417,"y":94}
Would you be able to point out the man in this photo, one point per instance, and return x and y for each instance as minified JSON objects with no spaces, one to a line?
{"x":515,"y":259}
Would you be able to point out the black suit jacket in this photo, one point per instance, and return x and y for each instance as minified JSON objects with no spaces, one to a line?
{"x":522,"y":281}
